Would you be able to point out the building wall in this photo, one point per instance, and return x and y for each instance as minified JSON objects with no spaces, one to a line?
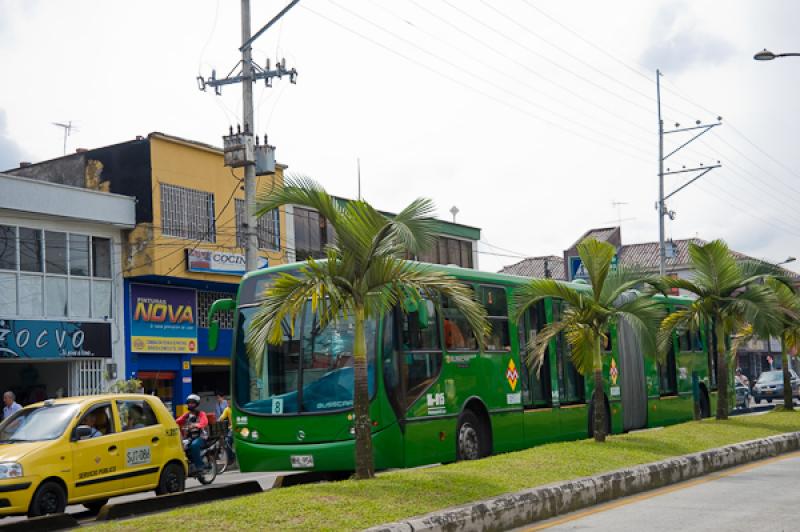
{"x":56,"y":375}
{"x":192,"y":166}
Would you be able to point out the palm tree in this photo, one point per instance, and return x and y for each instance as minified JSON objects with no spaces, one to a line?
{"x":730,"y":294}
{"x":363,"y":277}
{"x":589,"y":313}
{"x":787,"y":328}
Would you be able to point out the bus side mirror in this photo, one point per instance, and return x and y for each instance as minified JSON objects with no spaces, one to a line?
{"x":220,"y":305}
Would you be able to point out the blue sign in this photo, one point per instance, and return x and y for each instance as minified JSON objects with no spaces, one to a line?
{"x":163,"y":319}
{"x":578,"y":271}
{"x":41,"y":339}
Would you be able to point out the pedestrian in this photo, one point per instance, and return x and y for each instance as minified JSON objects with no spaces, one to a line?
{"x":10,"y":404}
{"x":221,"y":405}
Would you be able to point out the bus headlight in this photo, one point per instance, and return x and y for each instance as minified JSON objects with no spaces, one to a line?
{"x":10,"y":470}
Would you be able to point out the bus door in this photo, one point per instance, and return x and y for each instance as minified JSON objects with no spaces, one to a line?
{"x":573,"y":411}
{"x":540,"y":421}
{"x":411,"y":370}
{"x":632,"y":377}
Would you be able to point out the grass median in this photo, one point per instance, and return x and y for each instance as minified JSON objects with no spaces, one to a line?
{"x":351,"y":505}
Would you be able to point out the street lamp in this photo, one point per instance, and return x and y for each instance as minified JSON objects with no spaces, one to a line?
{"x":766,"y":55}
{"x":787,"y":261}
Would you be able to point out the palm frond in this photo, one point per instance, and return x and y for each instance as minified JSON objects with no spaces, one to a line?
{"x":596,"y":257}
{"x":742,"y":336}
{"x":298,"y":190}
{"x":535,"y":290}
{"x":715,"y":269}
{"x":680,"y":320}
{"x":536,"y":351}
{"x":414,"y":227}
{"x":582,"y":340}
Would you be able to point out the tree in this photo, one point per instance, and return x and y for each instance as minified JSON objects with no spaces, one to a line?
{"x":787,"y":328}
{"x":730,"y":294}
{"x":588,"y":315}
{"x":363,"y":277}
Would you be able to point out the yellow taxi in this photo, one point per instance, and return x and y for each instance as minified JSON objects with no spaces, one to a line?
{"x":84,"y":450}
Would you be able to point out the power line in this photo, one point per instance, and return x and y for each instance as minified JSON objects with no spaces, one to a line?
{"x":472,"y":88}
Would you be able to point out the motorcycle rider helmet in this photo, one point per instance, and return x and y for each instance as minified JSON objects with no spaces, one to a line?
{"x":192,"y":398}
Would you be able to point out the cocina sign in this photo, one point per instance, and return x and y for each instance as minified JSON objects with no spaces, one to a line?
{"x":206,"y":260}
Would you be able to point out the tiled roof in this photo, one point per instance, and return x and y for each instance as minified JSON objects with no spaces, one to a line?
{"x":534,"y":267}
{"x":600,"y":233}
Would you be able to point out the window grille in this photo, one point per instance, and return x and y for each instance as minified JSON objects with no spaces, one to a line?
{"x":204,"y":302}
{"x":187,"y":213}
{"x":86,"y":376}
{"x":268,"y":228}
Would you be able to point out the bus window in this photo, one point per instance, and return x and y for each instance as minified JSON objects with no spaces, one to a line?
{"x":535,"y":387}
{"x":421,"y":352}
{"x":667,"y":374}
{"x":494,"y":300}
{"x":685,"y":341}
{"x":571,"y":388}
{"x":458,"y":334}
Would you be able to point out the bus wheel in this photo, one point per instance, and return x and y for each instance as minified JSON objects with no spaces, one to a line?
{"x":470,"y":440}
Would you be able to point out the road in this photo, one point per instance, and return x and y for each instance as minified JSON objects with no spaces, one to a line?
{"x":266,"y":481}
{"x":757,"y":496}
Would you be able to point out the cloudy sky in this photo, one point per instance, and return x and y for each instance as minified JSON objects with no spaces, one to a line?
{"x":532,"y":117}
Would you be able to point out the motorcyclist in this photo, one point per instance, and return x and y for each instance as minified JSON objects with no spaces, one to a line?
{"x":194,"y":424}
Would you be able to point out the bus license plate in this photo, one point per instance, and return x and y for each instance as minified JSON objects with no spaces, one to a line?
{"x":302,"y":461}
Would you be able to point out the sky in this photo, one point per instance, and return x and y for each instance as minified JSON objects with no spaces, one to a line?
{"x":537,"y":119}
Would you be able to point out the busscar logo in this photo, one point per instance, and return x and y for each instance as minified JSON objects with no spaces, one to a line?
{"x":512,"y":375}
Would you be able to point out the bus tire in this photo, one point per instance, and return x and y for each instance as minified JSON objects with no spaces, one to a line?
{"x":471,"y":442}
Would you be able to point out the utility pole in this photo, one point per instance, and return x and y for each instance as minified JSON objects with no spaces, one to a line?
{"x":239,"y":147}
{"x":661,"y":205}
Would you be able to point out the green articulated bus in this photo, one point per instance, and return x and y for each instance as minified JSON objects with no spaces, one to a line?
{"x":435,"y":397}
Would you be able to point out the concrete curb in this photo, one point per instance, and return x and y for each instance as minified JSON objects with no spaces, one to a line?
{"x":42,"y":524}
{"x":177,"y":500}
{"x":527,"y":506}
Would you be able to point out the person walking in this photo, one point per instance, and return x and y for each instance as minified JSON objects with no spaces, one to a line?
{"x":10,"y":404}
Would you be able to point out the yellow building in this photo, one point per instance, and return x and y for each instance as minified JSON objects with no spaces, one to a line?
{"x":184,"y":253}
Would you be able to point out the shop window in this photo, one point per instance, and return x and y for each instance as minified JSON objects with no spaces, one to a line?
{"x":268,"y":228}
{"x":187,"y":213}
{"x":449,"y":251}
{"x":101,"y":257}
{"x":55,"y":251}
{"x":494,"y":300}
{"x":312,"y":233}
{"x":136,"y":415}
{"x":8,"y":247}
{"x":53,"y":277}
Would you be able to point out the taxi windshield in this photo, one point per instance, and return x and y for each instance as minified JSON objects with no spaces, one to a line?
{"x":37,"y":424}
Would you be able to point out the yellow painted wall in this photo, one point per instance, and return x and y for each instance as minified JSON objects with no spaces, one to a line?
{"x":194,"y":166}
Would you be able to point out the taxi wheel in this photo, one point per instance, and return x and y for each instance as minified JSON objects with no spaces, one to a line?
{"x":48,"y":499}
{"x":172,"y":480}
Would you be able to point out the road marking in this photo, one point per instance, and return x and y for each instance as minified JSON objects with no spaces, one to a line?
{"x":658,"y":492}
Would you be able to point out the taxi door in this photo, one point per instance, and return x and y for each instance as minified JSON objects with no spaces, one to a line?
{"x":97,"y":461}
{"x":143,"y":443}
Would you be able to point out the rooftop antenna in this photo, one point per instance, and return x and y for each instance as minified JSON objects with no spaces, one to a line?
{"x":618,"y":205}
{"x":68,"y":128}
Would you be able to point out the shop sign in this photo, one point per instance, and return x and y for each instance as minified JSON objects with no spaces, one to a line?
{"x":42,"y":339}
{"x":163,"y":319}
{"x":209,"y":261}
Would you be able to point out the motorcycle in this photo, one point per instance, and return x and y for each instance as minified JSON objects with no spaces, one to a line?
{"x":209,"y":452}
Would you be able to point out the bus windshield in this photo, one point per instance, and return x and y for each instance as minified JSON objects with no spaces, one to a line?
{"x":310,"y":371}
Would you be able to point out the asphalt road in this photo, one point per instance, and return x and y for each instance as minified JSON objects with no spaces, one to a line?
{"x":266,"y":481}
{"x":757,"y":496}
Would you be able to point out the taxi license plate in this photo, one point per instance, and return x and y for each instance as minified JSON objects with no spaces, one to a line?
{"x":302,"y":461}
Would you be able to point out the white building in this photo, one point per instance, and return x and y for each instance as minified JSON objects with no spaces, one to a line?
{"x":61,"y":296}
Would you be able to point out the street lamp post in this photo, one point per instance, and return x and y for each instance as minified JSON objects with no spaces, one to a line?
{"x":787,"y":261}
{"x":766,"y":55}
